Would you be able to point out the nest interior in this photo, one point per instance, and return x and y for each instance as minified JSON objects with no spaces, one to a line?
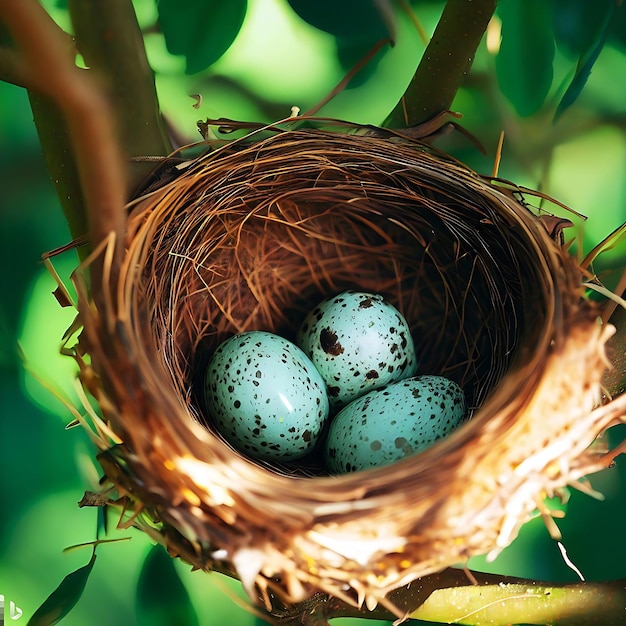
{"x":255,"y":236}
{"x":252,"y":236}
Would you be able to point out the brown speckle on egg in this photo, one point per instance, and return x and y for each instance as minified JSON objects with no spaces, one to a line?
{"x":392,"y":423}
{"x":353,"y":339}
{"x":329,"y":343}
{"x":265,"y":396}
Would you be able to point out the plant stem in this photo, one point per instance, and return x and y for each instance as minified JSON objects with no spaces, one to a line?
{"x":110,"y":40}
{"x":450,"y":597}
{"x":498,"y":605}
{"x":445,"y":63}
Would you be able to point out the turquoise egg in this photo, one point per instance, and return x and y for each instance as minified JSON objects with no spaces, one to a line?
{"x":265,"y":397}
{"x":358,"y":342}
{"x":392,"y":423}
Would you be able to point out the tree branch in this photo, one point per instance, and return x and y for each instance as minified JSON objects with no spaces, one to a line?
{"x":83,"y":107}
{"x":445,"y":63}
{"x":12,"y":68}
{"x":53,"y":133}
{"x":110,"y":40}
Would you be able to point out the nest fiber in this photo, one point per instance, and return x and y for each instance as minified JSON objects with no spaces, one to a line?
{"x":255,"y":233}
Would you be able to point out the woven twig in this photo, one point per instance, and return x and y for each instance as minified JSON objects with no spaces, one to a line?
{"x":251,"y":236}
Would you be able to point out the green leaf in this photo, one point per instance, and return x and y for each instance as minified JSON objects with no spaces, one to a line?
{"x":357,"y":26}
{"x":352,"y":51}
{"x":617,"y":34}
{"x":579,"y":24}
{"x":588,"y":56}
{"x":583,"y":71}
{"x":162,"y":599}
{"x":63,"y":599}
{"x":200,"y":31}
{"x":348,"y":19}
{"x":524,"y":62}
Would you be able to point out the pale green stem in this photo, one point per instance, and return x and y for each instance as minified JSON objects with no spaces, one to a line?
{"x":532,"y":603}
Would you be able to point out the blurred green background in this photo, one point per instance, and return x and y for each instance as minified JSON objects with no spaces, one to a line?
{"x":278,"y":60}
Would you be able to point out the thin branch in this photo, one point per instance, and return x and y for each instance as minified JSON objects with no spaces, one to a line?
{"x":82,"y":105}
{"x":110,"y":40}
{"x":450,"y":597}
{"x":445,"y":63}
{"x":354,"y":70}
{"x":12,"y":68}
{"x":53,"y":134}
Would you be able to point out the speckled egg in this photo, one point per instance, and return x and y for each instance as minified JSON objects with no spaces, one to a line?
{"x":265,"y":396}
{"x":389,"y":424}
{"x":358,"y":342}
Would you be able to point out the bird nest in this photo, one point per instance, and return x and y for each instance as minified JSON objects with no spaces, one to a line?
{"x":252,"y":235}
